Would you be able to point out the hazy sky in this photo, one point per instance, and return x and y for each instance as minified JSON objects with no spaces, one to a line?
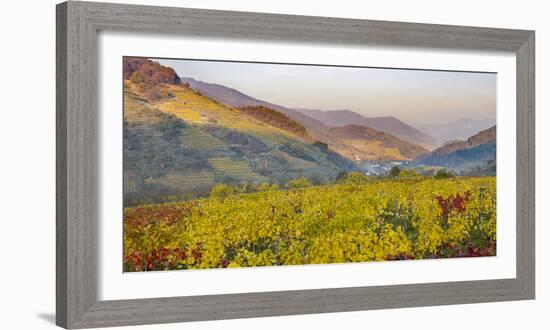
{"x":415,"y":96}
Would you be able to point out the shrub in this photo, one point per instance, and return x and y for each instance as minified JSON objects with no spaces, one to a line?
{"x":222,"y":190}
{"x":443,"y":174}
{"x":137,"y":78}
{"x":264,"y":186}
{"x":300,"y":182}
{"x":316,"y":179}
{"x":408,"y":173}
{"x":395,"y":171}
{"x":356,"y":178}
{"x":322,"y":145}
{"x":153,"y":93}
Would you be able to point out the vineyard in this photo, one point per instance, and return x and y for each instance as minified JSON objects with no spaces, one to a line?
{"x":179,"y":144}
{"x":193,"y":107}
{"x":237,"y":169}
{"x":196,"y":139}
{"x":352,"y":220}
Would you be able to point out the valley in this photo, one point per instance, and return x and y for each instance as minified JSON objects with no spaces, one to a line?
{"x":182,"y":137}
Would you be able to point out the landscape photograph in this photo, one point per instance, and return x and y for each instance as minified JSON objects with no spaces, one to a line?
{"x":244,"y":164}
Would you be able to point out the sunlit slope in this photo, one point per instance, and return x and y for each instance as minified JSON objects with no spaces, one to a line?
{"x":365,"y":143}
{"x":238,"y":169}
{"x":478,"y":150}
{"x":183,"y":143}
{"x":155,"y":154}
{"x":193,"y":107}
{"x":368,"y":150}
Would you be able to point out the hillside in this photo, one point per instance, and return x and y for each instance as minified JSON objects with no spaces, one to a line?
{"x":477,"y":151}
{"x":482,"y":137}
{"x":237,"y":99}
{"x":275,"y":119}
{"x":182,"y":142}
{"x":143,"y":71}
{"x":457,"y":130}
{"x":352,"y":149}
{"x":148,"y":76}
{"x":464,"y":159}
{"x":389,"y":124}
{"x":369,"y":144}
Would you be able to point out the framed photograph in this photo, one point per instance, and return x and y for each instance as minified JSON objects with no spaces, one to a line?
{"x":216,"y":165}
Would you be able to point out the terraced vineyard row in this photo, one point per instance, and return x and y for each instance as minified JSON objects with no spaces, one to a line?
{"x":196,"y":139}
{"x":193,"y":107}
{"x":181,"y":110}
{"x":190,"y":180}
{"x":237,"y":169}
{"x":295,"y":163}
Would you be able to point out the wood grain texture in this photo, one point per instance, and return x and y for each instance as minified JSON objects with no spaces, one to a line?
{"x":77,"y":144}
{"x":525,"y":165}
{"x":77,"y":158}
{"x":61,"y":260}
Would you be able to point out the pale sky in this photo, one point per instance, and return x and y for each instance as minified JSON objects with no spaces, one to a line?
{"x":414,"y":96}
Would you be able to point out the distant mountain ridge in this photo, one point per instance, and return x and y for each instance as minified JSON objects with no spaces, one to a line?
{"x":276,"y":119}
{"x":237,"y":99}
{"x":459,"y":129}
{"x":477,"y":150}
{"x":388,"y":124}
{"x":316,"y":128}
{"x":486,"y":136}
{"x":224,"y":94}
{"x":357,"y":135}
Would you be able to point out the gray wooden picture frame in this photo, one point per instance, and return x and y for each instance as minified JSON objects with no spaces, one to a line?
{"x":78,"y":24}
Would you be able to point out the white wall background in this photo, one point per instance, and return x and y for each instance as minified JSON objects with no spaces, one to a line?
{"x":27,"y":165}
